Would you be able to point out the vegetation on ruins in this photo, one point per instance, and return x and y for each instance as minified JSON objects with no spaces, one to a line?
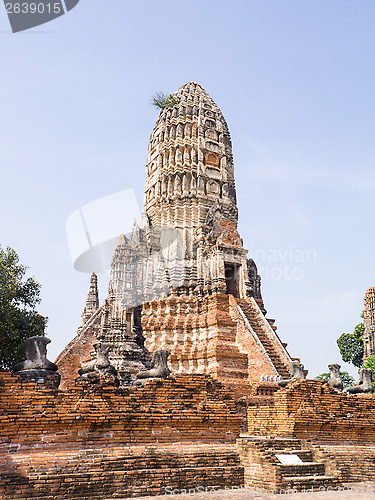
{"x":161,"y":100}
{"x":351,"y":345}
{"x":347,"y":379}
{"x":18,"y":317}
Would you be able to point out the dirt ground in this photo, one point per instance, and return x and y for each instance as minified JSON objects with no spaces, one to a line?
{"x":350,"y":491}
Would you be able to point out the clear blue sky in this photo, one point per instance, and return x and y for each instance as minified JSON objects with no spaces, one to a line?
{"x":295,"y":81}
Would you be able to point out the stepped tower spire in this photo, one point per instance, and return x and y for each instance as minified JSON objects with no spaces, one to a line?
{"x":190,"y":161}
{"x":369,"y":321}
{"x":92,"y":301}
{"x":206,"y":310}
{"x":190,"y":188}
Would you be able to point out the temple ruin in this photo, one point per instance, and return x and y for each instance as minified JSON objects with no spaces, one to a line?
{"x":184,"y":278}
{"x":179,"y":383}
{"x":369,"y":321}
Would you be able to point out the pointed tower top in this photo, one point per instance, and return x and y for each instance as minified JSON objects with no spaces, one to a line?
{"x":190,"y":159}
{"x":92,"y":301}
{"x":122,"y":240}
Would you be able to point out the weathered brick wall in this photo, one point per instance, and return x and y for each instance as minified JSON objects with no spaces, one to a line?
{"x":259,"y":470}
{"x":187,"y":408}
{"x":95,"y":441}
{"x":356,"y":462}
{"x":77,"y":352}
{"x":199,"y":332}
{"x":311,"y":409}
{"x":117,"y":471}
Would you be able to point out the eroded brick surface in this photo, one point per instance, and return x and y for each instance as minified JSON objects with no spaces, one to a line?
{"x":99,"y":442}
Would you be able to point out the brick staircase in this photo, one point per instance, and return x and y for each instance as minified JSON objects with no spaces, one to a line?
{"x":252,"y":316}
{"x":270,"y":473}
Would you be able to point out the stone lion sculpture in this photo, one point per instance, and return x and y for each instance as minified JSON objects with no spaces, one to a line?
{"x":158,"y":367}
{"x":297,"y":371}
{"x":365,"y":383}
{"x":335,"y":379}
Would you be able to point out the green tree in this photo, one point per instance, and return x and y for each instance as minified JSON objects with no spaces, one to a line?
{"x":161,"y":100}
{"x":18,"y":317}
{"x":351,"y":345}
{"x":347,"y":379}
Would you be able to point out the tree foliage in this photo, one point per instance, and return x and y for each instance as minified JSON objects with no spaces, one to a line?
{"x":351,"y":345}
{"x":347,"y":379}
{"x":18,"y":317}
{"x":161,"y":100}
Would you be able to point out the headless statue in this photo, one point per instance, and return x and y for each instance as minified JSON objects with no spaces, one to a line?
{"x":99,"y":365}
{"x":158,"y":367}
{"x":297,"y":370}
{"x":366,"y":378}
{"x":335,"y":379}
{"x":36,"y":355}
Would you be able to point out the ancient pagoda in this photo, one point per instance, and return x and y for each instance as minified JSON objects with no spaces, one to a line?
{"x":185,"y":271}
{"x":369,"y":322}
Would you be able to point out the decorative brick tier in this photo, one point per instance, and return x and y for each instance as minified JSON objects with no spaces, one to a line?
{"x":199,"y":332}
{"x":227,"y":338}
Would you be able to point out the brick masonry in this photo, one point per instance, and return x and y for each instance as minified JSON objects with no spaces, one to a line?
{"x":78,"y":351}
{"x":339,"y":428}
{"x":311,"y":409}
{"x":100,"y":441}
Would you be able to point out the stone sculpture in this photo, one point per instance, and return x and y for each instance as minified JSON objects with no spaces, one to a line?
{"x":335,"y":379}
{"x":99,"y":368}
{"x":37,"y":368}
{"x":36,"y":355}
{"x":158,"y":367}
{"x":297,"y":371}
{"x":365,"y":383}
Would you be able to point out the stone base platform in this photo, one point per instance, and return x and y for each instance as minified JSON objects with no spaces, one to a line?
{"x":118,"y":471}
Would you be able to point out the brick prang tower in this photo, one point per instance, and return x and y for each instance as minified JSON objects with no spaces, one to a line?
{"x":182,"y":279}
{"x":192,"y":275}
{"x":369,"y":321}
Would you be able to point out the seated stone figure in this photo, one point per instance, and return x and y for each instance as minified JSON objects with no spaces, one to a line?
{"x":366,"y":378}
{"x":335,"y":379}
{"x":98,"y":366}
{"x":297,"y":370}
{"x":37,"y":368}
{"x":158,"y":367}
{"x":36,"y":355}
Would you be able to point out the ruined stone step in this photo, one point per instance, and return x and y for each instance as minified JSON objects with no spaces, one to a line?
{"x":307,"y":482}
{"x":276,"y":443}
{"x":99,"y":464}
{"x":252,"y":317}
{"x":94,"y":485}
{"x":304,"y":455}
{"x":302,"y":470}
